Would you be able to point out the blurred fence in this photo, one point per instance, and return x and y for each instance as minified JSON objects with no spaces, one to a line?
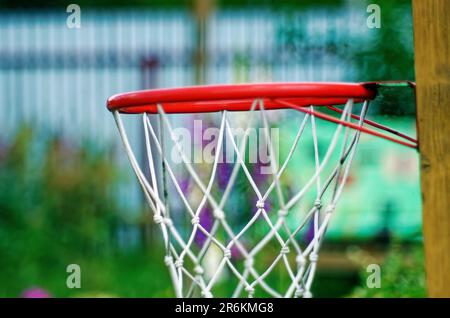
{"x":58,"y":78}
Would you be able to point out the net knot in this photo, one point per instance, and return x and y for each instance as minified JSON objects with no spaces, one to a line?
{"x":198,"y":270}
{"x":330,"y":208}
{"x":207,"y":294}
{"x":168,"y":222}
{"x":307,"y":294}
{"x":260,"y":204}
{"x":313,"y":257}
{"x":179,"y":263}
{"x":227,"y":253}
{"x":284,"y":250}
{"x":298,"y":292}
{"x":158,"y":219}
{"x":250,"y":290}
{"x":282,"y":213}
{"x":300,"y":259}
{"x":318,"y":204}
{"x":218,"y":214}
{"x":195,"y":220}
{"x":168,"y":260}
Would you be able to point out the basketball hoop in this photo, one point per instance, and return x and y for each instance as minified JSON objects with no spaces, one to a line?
{"x":294,"y":254}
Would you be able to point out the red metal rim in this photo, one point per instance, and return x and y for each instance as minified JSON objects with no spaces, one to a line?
{"x":238,"y":97}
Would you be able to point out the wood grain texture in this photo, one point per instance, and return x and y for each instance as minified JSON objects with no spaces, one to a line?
{"x":432,"y":64}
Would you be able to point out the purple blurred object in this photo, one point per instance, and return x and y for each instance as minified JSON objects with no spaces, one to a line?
{"x":184,"y":185}
{"x":224,"y":171}
{"x":206,"y":221}
{"x":257,"y":174}
{"x":309,"y":235}
{"x":235,"y":253}
{"x":35,"y":292}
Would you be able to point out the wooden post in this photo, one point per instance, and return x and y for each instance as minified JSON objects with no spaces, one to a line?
{"x":432,"y":63}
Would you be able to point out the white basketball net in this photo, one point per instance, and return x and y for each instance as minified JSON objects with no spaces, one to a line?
{"x":187,"y":263}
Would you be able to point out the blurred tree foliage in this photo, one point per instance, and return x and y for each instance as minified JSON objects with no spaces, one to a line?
{"x":389,"y":57}
{"x":62,"y":188}
{"x":56,"y":205}
{"x":402,"y":274}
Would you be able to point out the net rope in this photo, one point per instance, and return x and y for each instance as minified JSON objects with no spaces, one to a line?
{"x":185,"y":262}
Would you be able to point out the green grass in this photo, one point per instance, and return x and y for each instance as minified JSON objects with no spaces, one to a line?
{"x":143,"y":274}
{"x":127,"y":275}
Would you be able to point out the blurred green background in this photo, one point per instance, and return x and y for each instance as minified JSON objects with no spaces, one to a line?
{"x":67,"y":195}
